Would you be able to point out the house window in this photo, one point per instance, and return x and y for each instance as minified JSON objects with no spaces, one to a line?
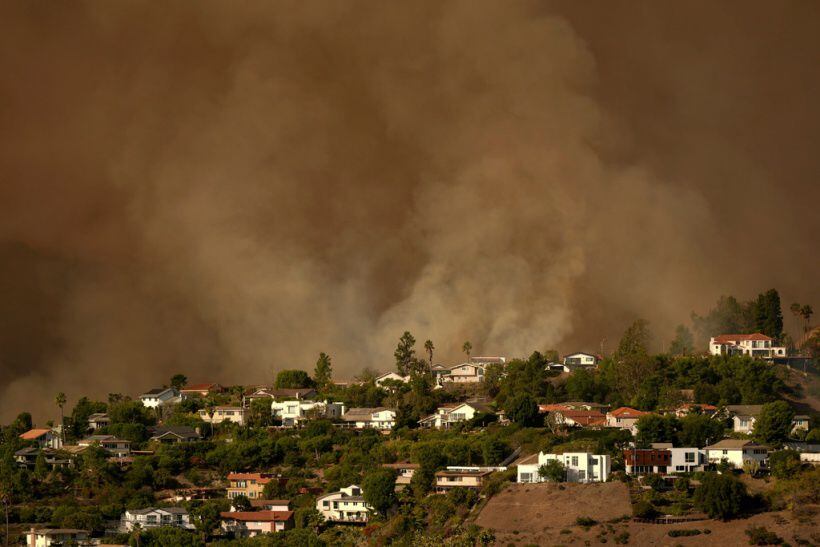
{"x":725,"y":452}
{"x":680,"y":468}
{"x":689,"y":457}
{"x":575,"y":461}
{"x":582,"y":475}
{"x":526,"y":477}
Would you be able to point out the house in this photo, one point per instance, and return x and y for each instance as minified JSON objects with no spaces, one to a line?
{"x":737,"y":452}
{"x":201,"y":390}
{"x":154,"y":398}
{"x":250,"y":485}
{"x":579,"y":418}
{"x":448,"y":415}
{"x":810,"y":457}
{"x":46,"y":537}
{"x":293,"y":412}
{"x":174,"y":434}
{"x":578,"y":466}
{"x":801,"y":422}
{"x":755,"y":345}
{"x":151,"y":517}
{"x":346,"y":505}
{"x":378,"y":418}
{"x":233,"y":414}
{"x":269,"y":505}
{"x":98,"y":420}
{"x":293,"y":393}
{"x":624,"y":418}
{"x":404,"y":472}
{"x":462,"y":477}
{"x":685,"y":459}
{"x":45,"y":438}
{"x":697,"y":408}
{"x":744,"y":417}
{"x":381,"y":378}
{"x":465,"y":373}
{"x":27,"y":457}
{"x":253,"y":523}
{"x":641,"y":461}
{"x":580,"y":360}
{"x":119,"y":448}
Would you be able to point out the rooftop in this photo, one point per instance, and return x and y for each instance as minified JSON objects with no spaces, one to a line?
{"x":257,"y":516}
{"x":734,"y":444}
{"x":727,"y":338}
{"x":33,"y":434}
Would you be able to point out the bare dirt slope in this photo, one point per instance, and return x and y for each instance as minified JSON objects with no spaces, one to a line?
{"x":543,"y":514}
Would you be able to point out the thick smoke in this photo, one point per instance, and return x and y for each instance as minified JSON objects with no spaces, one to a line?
{"x":226,"y":189}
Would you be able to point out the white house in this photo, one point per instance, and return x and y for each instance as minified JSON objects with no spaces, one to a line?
{"x":160,"y":396}
{"x":744,"y":417}
{"x":45,"y":438}
{"x":253,"y":523}
{"x":801,"y":422}
{"x":737,"y":452}
{"x":575,"y":361}
{"x":404,"y":472}
{"x":378,"y":418}
{"x":46,"y":537}
{"x":234,"y":414}
{"x":119,"y":448}
{"x":447,"y":415}
{"x":380,"y":379}
{"x":346,"y":505}
{"x":151,"y":517}
{"x":579,"y":466}
{"x":624,"y":418}
{"x":686,"y":459}
{"x":756,"y":345}
{"x":292,"y":412}
{"x":465,"y":373}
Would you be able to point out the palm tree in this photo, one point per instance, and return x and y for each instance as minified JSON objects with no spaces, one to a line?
{"x":467,"y":348}
{"x":428,"y":347}
{"x":60,"y":399}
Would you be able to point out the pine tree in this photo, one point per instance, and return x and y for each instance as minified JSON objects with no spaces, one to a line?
{"x":322,"y":375}
{"x":405,"y":353}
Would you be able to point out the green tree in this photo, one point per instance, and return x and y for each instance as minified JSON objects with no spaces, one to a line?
{"x":784,"y":464}
{"x":292,"y":379}
{"x":163,"y":536}
{"x":178,"y":381}
{"x":522,"y":409}
{"x":40,"y":466}
{"x":241,"y":503}
{"x":774,"y":423}
{"x":60,"y":400}
{"x":768,"y":314}
{"x":405,"y":353}
{"x":428,"y":347}
{"x":632,"y":363}
{"x":323,"y":373}
{"x":700,"y":430}
{"x":654,"y":428}
{"x":206,"y":517}
{"x":493,"y":450}
{"x":379,"y":489}
{"x":79,"y":415}
{"x":684,"y":342}
{"x":720,"y":496}
{"x":553,"y":471}
{"x":467,"y":348}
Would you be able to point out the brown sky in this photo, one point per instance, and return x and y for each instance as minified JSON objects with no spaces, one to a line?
{"x":228,"y":188}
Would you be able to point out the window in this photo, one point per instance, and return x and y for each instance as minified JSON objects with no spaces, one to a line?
{"x":526,"y":477}
{"x":689,"y":457}
{"x":680,"y":468}
{"x":725,"y":452}
{"x":575,"y":461}
{"x":582,"y":475}
{"x":594,"y":461}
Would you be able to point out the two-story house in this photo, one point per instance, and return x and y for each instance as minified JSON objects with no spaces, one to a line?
{"x":737,"y":452}
{"x":580,"y":360}
{"x":250,"y":485}
{"x":294,"y":412}
{"x":624,"y":418}
{"x":642,"y":461}
{"x":578,"y":467}
{"x":392,"y":376}
{"x":381,"y":418}
{"x":201,"y":390}
{"x":244,"y":524}
{"x":118,"y":448}
{"x":755,"y":345}
{"x":152,"y":517}
{"x":449,"y":414}
{"x":346,"y":505}
{"x":473,"y":478}
{"x":234,"y":414}
{"x":45,"y":438}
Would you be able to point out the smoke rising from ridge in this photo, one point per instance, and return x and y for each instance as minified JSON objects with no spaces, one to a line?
{"x":229,"y":189}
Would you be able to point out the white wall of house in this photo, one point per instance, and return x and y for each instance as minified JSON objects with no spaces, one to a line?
{"x":346,"y":505}
{"x":234,"y":414}
{"x":291,"y":412}
{"x":743,"y":424}
{"x":737,"y":456}
{"x":155,"y":400}
{"x":580,"y":467}
{"x":686,"y":460}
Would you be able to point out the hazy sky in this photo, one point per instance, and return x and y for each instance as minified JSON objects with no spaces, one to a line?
{"x":226,"y":189}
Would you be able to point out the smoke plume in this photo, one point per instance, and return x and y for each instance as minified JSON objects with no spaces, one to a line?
{"x":225,"y":189}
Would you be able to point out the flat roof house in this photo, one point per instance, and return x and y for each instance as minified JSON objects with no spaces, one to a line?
{"x":578,"y":466}
{"x":641,"y":461}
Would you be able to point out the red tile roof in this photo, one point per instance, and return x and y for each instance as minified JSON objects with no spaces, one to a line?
{"x":626,"y":412}
{"x":200,"y":387}
{"x":584,"y":417}
{"x":725,"y":338}
{"x":260,"y":477}
{"x":33,"y":434}
{"x":552,"y":408}
{"x":257,"y":516}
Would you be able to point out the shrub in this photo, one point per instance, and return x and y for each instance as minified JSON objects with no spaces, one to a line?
{"x":585,"y":521}
{"x":720,"y":496}
{"x":622,"y":538}
{"x":645,"y":510}
{"x":683,"y":533}
{"x":760,"y":535}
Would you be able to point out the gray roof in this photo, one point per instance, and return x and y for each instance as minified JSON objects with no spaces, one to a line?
{"x":179,"y":430}
{"x":745,"y":410}
{"x":155,"y":391}
{"x":357,"y":414}
{"x":172,"y":510}
{"x":734,"y":444}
